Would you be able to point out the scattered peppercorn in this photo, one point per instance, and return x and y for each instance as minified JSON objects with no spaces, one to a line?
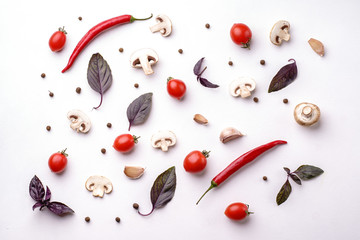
{"x":207,"y":25}
{"x":262,"y":62}
{"x":180,"y":51}
{"x":78,"y":90}
{"x":48,"y":128}
{"x":109,"y":125}
{"x":136,"y":206}
{"x":87,"y":219}
{"x":121,"y":49}
{"x":230,"y":63}
{"x":255,"y":99}
{"x":117,"y":219}
{"x":136,"y":85}
{"x":265,"y":178}
{"x":285,"y":100}
{"x":80,"y":18}
{"x":43,"y":75}
{"x":103,"y":150}
{"x":51,"y":94}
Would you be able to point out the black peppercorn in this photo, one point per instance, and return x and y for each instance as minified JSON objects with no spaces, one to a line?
{"x":230,"y":63}
{"x":207,"y":25}
{"x":48,"y":128}
{"x":43,"y":75}
{"x":136,"y":206}
{"x":121,"y":50}
{"x":255,"y":99}
{"x":136,"y":85}
{"x":117,"y":219}
{"x":265,"y":178}
{"x":80,"y":18}
{"x":109,"y":125}
{"x":103,"y":150}
{"x":87,"y":219}
{"x":51,"y":94}
{"x":262,"y":62}
{"x":285,"y":100}
{"x":78,"y":90}
{"x":180,"y":51}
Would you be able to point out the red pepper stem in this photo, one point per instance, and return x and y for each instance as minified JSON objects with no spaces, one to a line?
{"x":132,"y":19}
{"x":213,"y":184}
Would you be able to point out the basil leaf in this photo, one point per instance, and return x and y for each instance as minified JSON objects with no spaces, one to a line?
{"x":36,"y":189}
{"x":198,"y":72}
{"x":48,"y":194}
{"x":197,"y":67}
{"x":163,"y":189}
{"x":306,"y":172}
{"x":295,"y":178}
{"x":284,"y":77}
{"x":99,"y":75}
{"x":38,"y":204}
{"x":59,"y":208}
{"x":284,"y":193}
{"x":139,"y":109}
{"x":206,"y":83}
{"x":287,"y":170}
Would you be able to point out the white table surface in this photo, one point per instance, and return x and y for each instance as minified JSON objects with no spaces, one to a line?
{"x":327,"y":207}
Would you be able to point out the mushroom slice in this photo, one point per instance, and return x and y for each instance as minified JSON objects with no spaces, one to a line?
{"x":242,"y":86}
{"x":164,"y":25}
{"x":144,"y":58}
{"x":98,"y":185}
{"x":229,"y":134}
{"x":280,"y":32}
{"x":80,"y":122}
{"x":306,"y":114}
{"x":163,"y":140}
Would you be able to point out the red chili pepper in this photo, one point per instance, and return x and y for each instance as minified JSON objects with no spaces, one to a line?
{"x":96,"y":30}
{"x":239,"y":163}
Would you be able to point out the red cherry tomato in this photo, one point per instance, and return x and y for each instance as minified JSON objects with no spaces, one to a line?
{"x":125,"y":142}
{"x":237,"y":211}
{"x":196,"y":161}
{"x":176,"y":88}
{"x":58,"y":161}
{"x":241,"y":34}
{"x":57,"y":40}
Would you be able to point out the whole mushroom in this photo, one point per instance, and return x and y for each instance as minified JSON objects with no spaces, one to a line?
{"x":163,"y":140}
{"x":306,"y":114}
{"x":280,"y":32}
{"x":144,"y":58}
{"x":98,"y":185}
{"x":164,"y":25}
{"x":80,"y":122}
{"x":242,"y":86}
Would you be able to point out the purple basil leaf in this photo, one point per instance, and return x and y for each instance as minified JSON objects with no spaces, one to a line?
{"x":48,"y":194}
{"x":284,"y":77}
{"x":306,"y":172}
{"x":59,"y":208}
{"x":295,"y":178}
{"x":99,"y":75}
{"x":138,"y":111}
{"x":284,"y":193}
{"x":163,"y":189}
{"x":197,"y":67}
{"x":206,"y":83}
{"x":36,"y":205}
{"x":287,"y":170}
{"x":36,"y":189}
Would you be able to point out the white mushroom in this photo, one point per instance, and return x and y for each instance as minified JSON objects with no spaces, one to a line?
{"x":280,"y":32}
{"x":98,"y":185}
{"x":163,"y":25}
{"x":80,"y":122}
{"x":163,"y":140}
{"x":144,"y":58}
{"x":242,"y":86}
{"x":306,"y":114}
{"x":229,"y":134}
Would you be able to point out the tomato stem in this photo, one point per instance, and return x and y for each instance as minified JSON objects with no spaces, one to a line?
{"x":63,"y":152}
{"x":213,"y":184}
{"x":206,"y":153}
{"x":169,"y":78}
{"x":136,"y":138}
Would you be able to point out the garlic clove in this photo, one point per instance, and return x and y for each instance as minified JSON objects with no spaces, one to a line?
{"x":200,"y":119}
{"x":229,"y":134}
{"x":134,"y":172}
{"x":317,"y":46}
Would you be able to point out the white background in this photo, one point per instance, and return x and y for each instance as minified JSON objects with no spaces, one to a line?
{"x":327,"y":207}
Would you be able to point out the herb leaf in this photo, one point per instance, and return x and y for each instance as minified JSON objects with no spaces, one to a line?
{"x":48,"y":194}
{"x":36,"y":189}
{"x":59,"y":208}
{"x":295,"y":178}
{"x":284,"y":193}
{"x":138,"y":111}
{"x":99,"y":75}
{"x":163,"y":189}
{"x":284,"y":77}
{"x":206,"y":83}
{"x":36,"y":205}
{"x":287,"y":170}
{"x":197,"y":67}
{"x":198,"y":72}
{"x":306,"y":172}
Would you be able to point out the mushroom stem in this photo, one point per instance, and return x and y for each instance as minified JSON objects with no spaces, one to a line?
{"x":158,"y":27}
{"x":307,"y":111}
{"x":284,"y":35}
{"x":164,"y":145}
{"x":145,"y":64}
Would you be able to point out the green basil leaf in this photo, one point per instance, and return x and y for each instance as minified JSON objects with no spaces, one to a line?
{"x":284,"y":77}
{"x":295,"y":178}
{"x":99,"y":75}
{"x":306,"y":172}
{"x":284,"y":193}
{"x":139,"y":110}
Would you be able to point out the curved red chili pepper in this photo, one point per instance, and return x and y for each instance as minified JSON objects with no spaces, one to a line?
{"x":95,"y":31}
{"x":239,"y":163}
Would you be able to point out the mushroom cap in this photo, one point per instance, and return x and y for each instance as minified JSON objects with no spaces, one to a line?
{"x":79,"y":121}
{"x":144,"y":53}
{"x":242,"y":86}
{"x":306,"y":114}
{"x":163,"y":139}
{"x":279,"y":32}
{"x":164,"y":25}
{"x":98,"y":185}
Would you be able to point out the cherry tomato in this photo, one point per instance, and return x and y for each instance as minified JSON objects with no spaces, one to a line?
{"x":237,"y":211}
{"x":125,"y":142}
{"x":57,"y":40}
{"x":58,"y":161}
{"x":196,"y":161}
{"x":176,"y":88}
{"x":241,"y":35}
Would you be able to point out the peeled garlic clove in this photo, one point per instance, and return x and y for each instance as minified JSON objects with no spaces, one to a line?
{"x":317,"y":46}
{"x":229,"y":134}
{"x":134,"y":172}
{"x":200,"y":119}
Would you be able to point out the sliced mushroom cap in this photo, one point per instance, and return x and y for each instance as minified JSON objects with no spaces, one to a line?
{"x":80,"y":122}
{"x":306,"y":114}
{"x":98,"y":185}
{"x":163,"y":140}
{"x":144,"y":58}
{"x":242,"y":86}
{"x":280,"y":32}
{"x":164,"y":25}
